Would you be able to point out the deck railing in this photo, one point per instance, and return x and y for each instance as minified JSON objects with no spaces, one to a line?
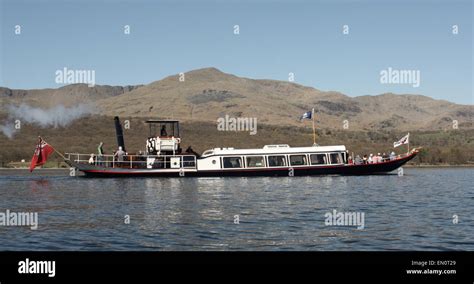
{"x":136,"y":161}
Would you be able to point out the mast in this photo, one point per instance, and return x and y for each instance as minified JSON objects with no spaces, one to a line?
{"x":314,"y":130}
{"x":408,"y":144}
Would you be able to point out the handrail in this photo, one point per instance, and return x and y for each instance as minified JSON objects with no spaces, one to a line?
{"x":151,"y":156}
{"x":135,"y":161}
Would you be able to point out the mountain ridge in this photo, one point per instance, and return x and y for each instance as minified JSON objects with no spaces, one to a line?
{"x":208,"y":93}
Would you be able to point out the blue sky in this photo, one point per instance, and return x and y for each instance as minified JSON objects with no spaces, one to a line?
{"x":276,"y":38}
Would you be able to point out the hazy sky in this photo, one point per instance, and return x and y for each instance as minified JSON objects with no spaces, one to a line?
{"x":276,"y":38}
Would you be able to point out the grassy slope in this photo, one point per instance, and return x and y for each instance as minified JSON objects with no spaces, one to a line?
{"x":440,"y":147}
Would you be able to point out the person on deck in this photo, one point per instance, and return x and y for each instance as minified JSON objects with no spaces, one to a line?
{"x":119,"y":154}
{"x":100,"y":149}
{"x":378,"y":158}
{"x":100,"y":152}
{"x":91,"y":159}
{"x":365,"y":159}
{"x":371,"y":158}
{"x":163,"y":131}
{"x":392,"y":156}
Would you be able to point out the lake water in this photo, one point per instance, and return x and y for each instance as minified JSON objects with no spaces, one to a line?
{"x":410,"y":212}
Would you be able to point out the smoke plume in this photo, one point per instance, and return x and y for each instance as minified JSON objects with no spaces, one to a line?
{"x":58,"y":116}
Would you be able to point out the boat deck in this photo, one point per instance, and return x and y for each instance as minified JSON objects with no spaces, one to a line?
{"x":188,"y":165}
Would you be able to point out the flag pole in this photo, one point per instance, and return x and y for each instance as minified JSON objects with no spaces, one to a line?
{"x":314,"y":131}
{"x":56,"y":151}
{"x":408,"y":144}
{"x":59,"y":153}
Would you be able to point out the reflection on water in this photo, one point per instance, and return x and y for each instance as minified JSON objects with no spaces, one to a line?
{"x":413,"y":212}
{"x":40,"y":184}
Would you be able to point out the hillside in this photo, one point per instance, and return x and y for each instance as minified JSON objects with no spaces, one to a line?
{"x":375,"y":122}
{"x":208,"y":93}
{"x":68,"y":95}
{"x":83,"y":135}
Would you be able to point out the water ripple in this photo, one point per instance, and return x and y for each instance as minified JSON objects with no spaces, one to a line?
{"x":412,"y":212}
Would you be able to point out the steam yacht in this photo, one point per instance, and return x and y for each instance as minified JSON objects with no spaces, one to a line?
{"x":164,"y":157}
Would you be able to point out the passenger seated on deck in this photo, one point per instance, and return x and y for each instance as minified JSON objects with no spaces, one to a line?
{"x":91,"y":159}
{"x":163,"y":131}
{"x":358,"y":160}
{"x":384,"y":157}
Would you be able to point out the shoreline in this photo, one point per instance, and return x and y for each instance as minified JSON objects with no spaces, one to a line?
{"x":440,"y":166}
{"x":405,"y":166}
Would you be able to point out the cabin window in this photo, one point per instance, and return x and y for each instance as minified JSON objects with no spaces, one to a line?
{"x":276,"y":161}
{"x":298,"y":160}
{"x":159,"y":163}
{"x":189,"y":162}
{"x":255,"y":161}
{"x":232,"y":162}
{"x":318,"y":159}
{"x":335,"y":158}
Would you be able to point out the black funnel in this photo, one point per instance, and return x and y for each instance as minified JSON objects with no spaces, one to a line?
{"x":119,"y":133}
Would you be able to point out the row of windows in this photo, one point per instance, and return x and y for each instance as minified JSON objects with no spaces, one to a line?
{"x":281,"y":160}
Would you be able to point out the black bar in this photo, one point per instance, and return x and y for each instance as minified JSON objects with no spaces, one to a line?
{"x":391,"y":266}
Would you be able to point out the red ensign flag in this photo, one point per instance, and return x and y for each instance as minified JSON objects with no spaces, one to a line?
{"x":42,"y":151}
